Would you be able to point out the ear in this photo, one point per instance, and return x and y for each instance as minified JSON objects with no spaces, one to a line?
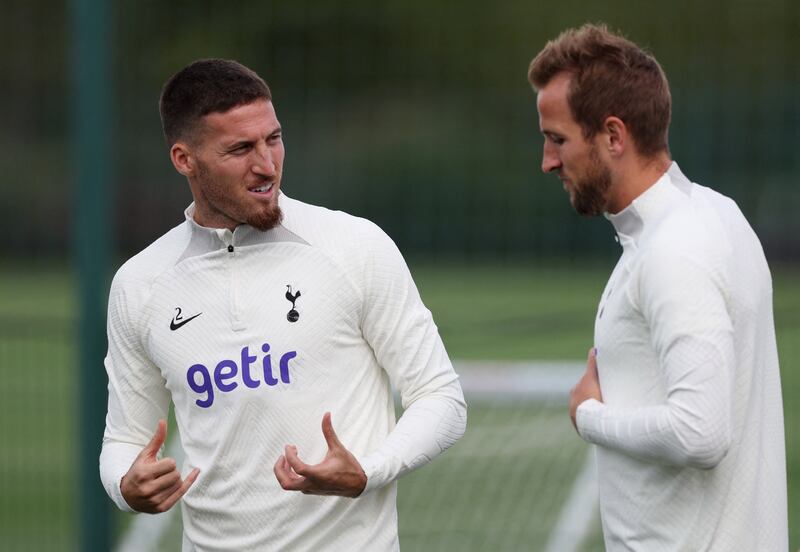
{"x":615,"y":136}
{"x":182,"y":157}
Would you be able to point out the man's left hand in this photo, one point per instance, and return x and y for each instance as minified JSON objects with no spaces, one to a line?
{"x":338,"y":474}
{"x":587,"y":388}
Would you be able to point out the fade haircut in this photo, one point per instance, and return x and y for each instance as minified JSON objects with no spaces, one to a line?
{"x":202,"y":87}
{"x":610,"y":76}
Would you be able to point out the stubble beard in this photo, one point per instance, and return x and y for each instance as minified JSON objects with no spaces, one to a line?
{"x":268,"y":217}
{"x":590,"y":191}
{"x":263,"y":217}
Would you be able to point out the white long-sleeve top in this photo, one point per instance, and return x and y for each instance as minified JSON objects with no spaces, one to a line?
{"x":690,"y":444}
{"x":245,"y":380}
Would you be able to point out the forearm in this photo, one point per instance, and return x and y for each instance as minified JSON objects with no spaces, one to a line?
{"x":428,"y":427}
{"x":681,"y":297}
{"x":669,"y":434}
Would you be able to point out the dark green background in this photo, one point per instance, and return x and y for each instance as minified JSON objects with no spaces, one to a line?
{"x":415,"y":114}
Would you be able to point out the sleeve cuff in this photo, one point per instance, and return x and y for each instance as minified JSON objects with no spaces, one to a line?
{"x":115,"y":460}
{"x":587,"y":418}
{"x":376,"y":477}
{"x":116,"y":495}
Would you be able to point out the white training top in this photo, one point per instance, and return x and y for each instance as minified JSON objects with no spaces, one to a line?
{"x":254,"y":336}
{"x":690,"y":438}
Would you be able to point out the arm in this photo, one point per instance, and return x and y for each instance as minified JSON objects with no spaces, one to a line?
{"x":407,"y":345}
{"x":132,"y":474}
{"x":683,"y":301}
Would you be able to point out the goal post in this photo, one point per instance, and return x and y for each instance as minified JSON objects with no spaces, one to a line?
{"x":92,"y":170}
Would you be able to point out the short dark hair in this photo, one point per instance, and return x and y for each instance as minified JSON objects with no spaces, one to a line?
{"x":611,"y":76}
{"x":206,"y":86}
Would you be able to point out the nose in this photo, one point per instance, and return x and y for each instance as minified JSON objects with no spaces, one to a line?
{"x":550,"y":159}
{"x":263,"y":162}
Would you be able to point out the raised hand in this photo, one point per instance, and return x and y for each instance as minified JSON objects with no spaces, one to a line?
{"x":588,"y":387}
{"x":151,"y":485}
{"x":338,"y":474}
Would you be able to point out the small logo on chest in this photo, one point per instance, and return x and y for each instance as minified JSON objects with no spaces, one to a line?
{"x":179,"y":320}
{"x":292,"y":315}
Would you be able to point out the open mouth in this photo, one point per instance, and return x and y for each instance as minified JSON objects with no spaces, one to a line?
{"x":265,"y":189}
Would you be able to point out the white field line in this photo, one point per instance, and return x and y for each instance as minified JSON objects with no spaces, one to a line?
{"x":541,"y":380}
{"x":480,"y":380}
{"x":492,"y":380}
{"x":578,"y":512}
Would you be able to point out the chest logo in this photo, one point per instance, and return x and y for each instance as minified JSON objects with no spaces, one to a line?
{"x":229,"y":374}
{"x":292,"y":315}
{"x":179,"y":320}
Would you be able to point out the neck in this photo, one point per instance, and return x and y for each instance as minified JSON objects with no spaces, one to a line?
{"x":633,"y":180}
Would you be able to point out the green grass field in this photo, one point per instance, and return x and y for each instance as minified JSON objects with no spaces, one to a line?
{"x":501,"y":485}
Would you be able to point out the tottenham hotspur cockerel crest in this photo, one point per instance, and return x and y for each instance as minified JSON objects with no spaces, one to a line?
{"x":292,"y":315}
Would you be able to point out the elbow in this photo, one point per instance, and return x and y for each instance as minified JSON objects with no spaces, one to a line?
{"x":705,"y":451}
{"x":462,"y":418}
{"x":453,"y":426}
{"x":458,"y":421}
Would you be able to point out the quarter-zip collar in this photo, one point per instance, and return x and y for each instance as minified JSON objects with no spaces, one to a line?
{"x":216,"y":238}
{"x":630,"y":223}
{"x":205,"y":240}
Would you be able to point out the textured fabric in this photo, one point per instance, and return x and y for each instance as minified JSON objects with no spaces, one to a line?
{"x":690,"y":438}
{"x":245,"y":380}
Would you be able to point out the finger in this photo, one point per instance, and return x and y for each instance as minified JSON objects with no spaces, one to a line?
{"x":300,"y":467}
{"x":591,"y":363}
{"x":177,"y":495}
{"x":151,"y":449}
{"x":283,"y":470}
{"x":161,"y":467}
{"x":290,"y":470}
{"x":286,"y":469}
{"x":144,"y":472}
{"x":159,"y":498}
{"x":149,"y":489}
{"x":288,"y":480}
{"x":330,"y":435}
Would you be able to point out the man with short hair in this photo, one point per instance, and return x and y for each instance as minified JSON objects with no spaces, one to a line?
{"x":258,"y":318}
{"x":681,"y":393}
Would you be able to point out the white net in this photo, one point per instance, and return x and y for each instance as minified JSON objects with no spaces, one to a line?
{"x":520,"y":478}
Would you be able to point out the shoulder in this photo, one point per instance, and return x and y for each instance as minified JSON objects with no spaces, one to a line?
{"x":361,"y":251}
{"x":134,"y":279}
{"x":695,"y":227}
{"x":338,"y":233}
{"x":691,"y":243}
{"x":720,"y":209}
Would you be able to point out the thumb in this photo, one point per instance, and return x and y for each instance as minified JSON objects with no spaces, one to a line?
{"x":329,"y":433}
{"x":151,"y":449}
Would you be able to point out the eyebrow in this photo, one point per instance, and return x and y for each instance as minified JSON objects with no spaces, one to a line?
{"x":228,"y":146}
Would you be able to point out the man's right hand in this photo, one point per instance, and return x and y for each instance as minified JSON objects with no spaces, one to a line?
{"x":154,"y":486}
{"x":588,"y":387}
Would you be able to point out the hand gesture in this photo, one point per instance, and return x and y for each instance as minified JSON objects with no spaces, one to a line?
{"x":151,"y":485}
{"x":338,"y":474}
{"x":587,"y":388}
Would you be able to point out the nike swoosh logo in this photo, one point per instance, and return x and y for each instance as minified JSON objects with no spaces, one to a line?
{"x":173,"y":326}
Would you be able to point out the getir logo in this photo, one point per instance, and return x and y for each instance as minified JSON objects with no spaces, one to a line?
{"x":227,"y":374}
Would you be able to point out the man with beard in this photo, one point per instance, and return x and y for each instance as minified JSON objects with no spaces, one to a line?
{"x":258,"y":318}
{"x":681,"y":392}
